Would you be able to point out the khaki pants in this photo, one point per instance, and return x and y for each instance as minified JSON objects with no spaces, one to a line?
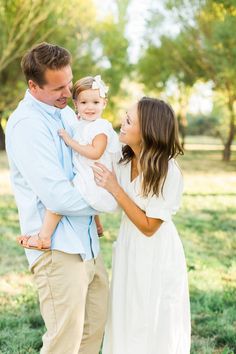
{"x":73,"y":302}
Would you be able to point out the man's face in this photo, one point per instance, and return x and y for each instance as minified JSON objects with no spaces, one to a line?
{"x":57,"y":89}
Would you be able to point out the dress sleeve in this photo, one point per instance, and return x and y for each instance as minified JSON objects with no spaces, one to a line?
{"x":102,"y":126}
{"x":99,"y":126}
{"x":167,"y":203}
{"x":75,"y":127}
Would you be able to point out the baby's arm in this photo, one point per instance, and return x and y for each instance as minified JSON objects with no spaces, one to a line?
{"x":92,"y":151}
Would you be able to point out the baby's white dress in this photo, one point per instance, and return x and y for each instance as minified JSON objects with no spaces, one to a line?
{"x":149,"y":303}
{"x":84,"y":132}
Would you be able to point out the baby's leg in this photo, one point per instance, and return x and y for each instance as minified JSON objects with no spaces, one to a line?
{"x":42,"y":240}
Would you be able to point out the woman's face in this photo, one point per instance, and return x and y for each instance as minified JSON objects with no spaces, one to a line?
{"x":130,"y":129}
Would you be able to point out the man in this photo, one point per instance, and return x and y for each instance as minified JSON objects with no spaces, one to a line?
{"x":71,"y":278}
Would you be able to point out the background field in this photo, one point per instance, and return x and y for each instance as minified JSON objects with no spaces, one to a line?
{"x":207,"y":225}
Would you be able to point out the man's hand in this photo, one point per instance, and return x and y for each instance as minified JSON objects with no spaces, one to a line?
{"x":100,"y":230}
{"x":99,"y":226}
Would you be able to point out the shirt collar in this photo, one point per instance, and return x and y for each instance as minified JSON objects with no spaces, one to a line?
{"x":53,"y":111}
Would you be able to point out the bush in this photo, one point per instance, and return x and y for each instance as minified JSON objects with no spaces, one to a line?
{"x":202,"y":125}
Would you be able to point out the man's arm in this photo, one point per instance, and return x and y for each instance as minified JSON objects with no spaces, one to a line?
{"x":33,"y":150}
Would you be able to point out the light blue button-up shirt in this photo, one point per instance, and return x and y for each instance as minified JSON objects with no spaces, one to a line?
{"x":41,"y":170}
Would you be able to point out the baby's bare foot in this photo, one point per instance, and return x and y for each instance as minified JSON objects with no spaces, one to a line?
{"x":34,"y":242}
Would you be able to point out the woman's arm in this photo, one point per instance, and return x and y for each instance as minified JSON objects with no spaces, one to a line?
{"x":106,"y":179}
{"x":92,"y":151}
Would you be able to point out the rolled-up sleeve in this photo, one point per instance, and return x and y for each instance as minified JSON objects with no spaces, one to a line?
{"x":168,"y":202}
{"x":34,"y":152}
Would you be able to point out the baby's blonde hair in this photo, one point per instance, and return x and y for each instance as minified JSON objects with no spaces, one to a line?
{"x":86,"y":83}
{"x":81,"y":85}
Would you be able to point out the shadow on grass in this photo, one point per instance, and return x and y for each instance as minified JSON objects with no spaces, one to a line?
{"x":8,"y":214}
{"x":21,"y":325}
{"x":206,"y":161}
{"x":213,"y":321}
{"x":111,"y":229}
{"x":207,"y":228}
{"x":9,"y":229}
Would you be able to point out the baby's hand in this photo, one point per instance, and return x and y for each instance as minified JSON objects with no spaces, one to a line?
{"x":65,"y":136}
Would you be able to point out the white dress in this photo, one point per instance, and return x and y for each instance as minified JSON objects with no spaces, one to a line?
{"x":84,"y":132}
{"x":149,"y":305}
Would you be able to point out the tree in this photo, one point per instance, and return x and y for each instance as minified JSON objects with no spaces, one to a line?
{"x":214,"y":45}
{"x":205,"y":49}
{"x":19,"y":21}
{"x":72,"y":24}
{"x":158,"y":69}
{"x":114,"y":44}
{"x":24,"y":23}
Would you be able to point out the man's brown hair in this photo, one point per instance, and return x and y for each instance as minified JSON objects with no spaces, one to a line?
{"x":41,"y":57}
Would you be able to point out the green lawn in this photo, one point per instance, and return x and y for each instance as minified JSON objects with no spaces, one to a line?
{"x":207,"y":225}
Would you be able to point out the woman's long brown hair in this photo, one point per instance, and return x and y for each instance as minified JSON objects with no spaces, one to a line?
{"x":160,"y":143}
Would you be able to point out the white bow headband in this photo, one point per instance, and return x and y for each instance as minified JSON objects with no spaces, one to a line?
{"x":98,"y":84}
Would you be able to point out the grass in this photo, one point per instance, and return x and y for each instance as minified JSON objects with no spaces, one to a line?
{"x":206,"y":223}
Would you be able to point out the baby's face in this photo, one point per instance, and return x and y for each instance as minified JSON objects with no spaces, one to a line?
{"x":90,"y":105}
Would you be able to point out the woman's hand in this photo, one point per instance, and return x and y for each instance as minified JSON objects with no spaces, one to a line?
{"x":65,"y":136}
{"x":106,"y":179}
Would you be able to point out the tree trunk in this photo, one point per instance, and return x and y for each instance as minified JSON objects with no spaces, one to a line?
{"x":226,"y":153}
{"x":227,"y":146}
{"x":182,"y":130}
{"x":2,"y":137}
{"x":182,"y":127}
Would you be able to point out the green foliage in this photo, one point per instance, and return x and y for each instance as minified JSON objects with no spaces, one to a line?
{"x":20,"y":23}
{"x":206,"y":223}
{"x":24,"y":320}
{"x":115,"y":47}
{"x":38,"y":20}
{"x":203,"y":50}
{"x":172,"y":59}
{"x":72,"y":24}
{"x":203,"y":125}
{"x":116,"y":67}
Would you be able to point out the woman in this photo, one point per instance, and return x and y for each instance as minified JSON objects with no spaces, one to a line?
{"x":149,"y":309}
